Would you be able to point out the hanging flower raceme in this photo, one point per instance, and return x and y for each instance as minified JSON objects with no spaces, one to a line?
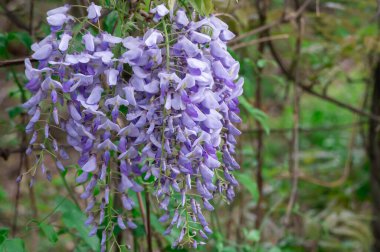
{"x":157,"y":110}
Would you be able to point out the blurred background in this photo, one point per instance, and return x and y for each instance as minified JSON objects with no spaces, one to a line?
{"x":309,"y":152}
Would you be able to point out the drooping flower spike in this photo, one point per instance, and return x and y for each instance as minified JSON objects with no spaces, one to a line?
{"x":162,"y":110}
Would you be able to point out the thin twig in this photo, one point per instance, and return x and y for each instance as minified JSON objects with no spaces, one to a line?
{"x":31,"y":18}
{"x":294,"y":157}
{"x":259,"y":41}
{"x":346,"y":171}
{"x":14,"y":18}
{"x":290,"y":76}
{"x":261,"y":9}
{"x":149,"y":233}
{"x":142,"y":210}
{"x":336,"y":127}
{"x":13,"y":62}
{"x":22,"y":154}
{"x":18,"y":190}
{"x":284,"y":19}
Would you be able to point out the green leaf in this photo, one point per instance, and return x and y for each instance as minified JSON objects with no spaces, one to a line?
{"x":257,"y":114}
{"x":253,"y":235}
{"x":159,"y":228}
{"x":261,"y":63}
{"x":203,"y":7}
{"x":72,"y":217}
{"x":3,"y":44}
{"x":14,"y":245}
{"x":22,"y":37}
{"x":110,"y":21}
{"x":275,"y":249}
{"x":171,"y":4}
{"x":208,"y":7}
{"x":4,"y":232}
{"x":14,"y":111}
{"x":247,"y":181}
{"x":49,"y":232}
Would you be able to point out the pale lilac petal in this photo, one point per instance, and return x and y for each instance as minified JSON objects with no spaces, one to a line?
{"x":43,"y":52}
{"x":89,"y":42}
{"x":112,"y":76}
{"x":57,"y":19}
{"x":90,"y":165}
{"x":130,"y":95}
{"x":64,"y":44}
{"x":95,"y":95}
{"x":94,"y":11}
{"x":153,"y":37}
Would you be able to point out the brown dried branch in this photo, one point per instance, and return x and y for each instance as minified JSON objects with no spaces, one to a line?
{"x":290,"y":76}
{"x":283,"y":19}
{"x":346,"y":171}
{"x":12,"y":17}
{"x":260,"y":40}
{"x":31,"y":18}
{"x":336,"y":127}
{"x":261,"y":7}
{"x":294,"y":156}
{"x":13,"y":62}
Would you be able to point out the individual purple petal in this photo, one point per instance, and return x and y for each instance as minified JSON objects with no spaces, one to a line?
{"x":112,"y":76}
{"x":46,"y":130}
{"x":181,"y":18}
{"x":131,"y":224}
{"x":207,"y":173}
{"x":220,"y":71}
{"x":57,"y":20}
{"x":129,"y":95}
{"x":210,"y":100}
{"x":94,"y":12}
{"x":160,"y":11}
{"x":74,"y":112}
{"x":111,"y":39}
{"x":43,"y":52}
{"x":165,"y":217}
{"x":106,"y":56}
{"x":95,"y":95}
{"x":60,"y":165}
{"x":226,"y":35}
{"x":153,"y":37}
{"x":89,"y":220}
{"x":127,"y":202}
{"x":34,"y":138}
{"x":60,"y":10}
{"x":207,"y":205}
{"x":93,"y":231}
{"x":107,"y":145}
{"x":82,"y":178}
{"x":200,"y":38}
{"x":107,"y":195}
{"x":196,"y":66}
{"x":108,"y":125}
{"x":120,"y":222}
{"x":152,"y":87}
{"x":90,"y":165}
{"x":207,"y":230}
{"x":64,"y":44}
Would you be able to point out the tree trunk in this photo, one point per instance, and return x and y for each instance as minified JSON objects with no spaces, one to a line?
{"x":374,"y":157}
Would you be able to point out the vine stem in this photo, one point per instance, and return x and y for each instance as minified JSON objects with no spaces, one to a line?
{"x":148,"y":225}
{"x":71,"y":193}
{"x":109,"y":206}
{"x":167,"y":45}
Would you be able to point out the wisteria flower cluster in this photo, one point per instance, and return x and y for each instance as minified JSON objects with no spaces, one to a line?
{"x":154,"y":112}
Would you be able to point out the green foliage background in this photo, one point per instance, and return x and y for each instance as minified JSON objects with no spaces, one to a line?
{"x":339,"y":39}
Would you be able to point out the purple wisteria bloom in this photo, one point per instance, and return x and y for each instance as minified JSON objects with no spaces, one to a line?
{"x":94,"y":12}
{"x":161,"y":108}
